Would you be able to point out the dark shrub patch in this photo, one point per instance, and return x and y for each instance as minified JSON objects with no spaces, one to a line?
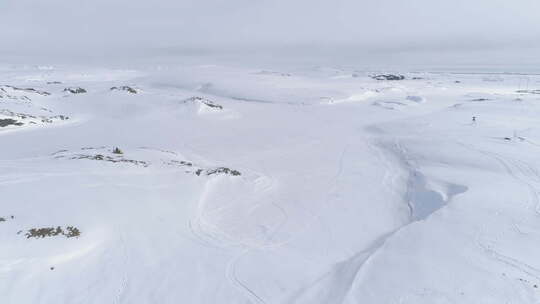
{"x":205,"y":102}
{"x":74,"y":90}
{"x":220,"y":170}
{"x":51,"y":231}
{"x":125,"y":88}
{"x":9,"y":122}
{"x":388,"y":77}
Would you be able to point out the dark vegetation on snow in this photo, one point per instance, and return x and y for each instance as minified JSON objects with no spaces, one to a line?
{"x":204,"y":101}
{"x":4,"y":219}
{"x":388,"y":77}
{"x":90,"y":148}
{"x":111,"y":159}
{"x":535,"y":286}
{"x":50,"y":119}
{"x":27,"y":90}
{"x":179,"y":163}
{"x":23,"y":116}
{"x":202,"y":171}
{"x":125,"y":88}
{"x":116,"y":155}
{"x":68,"y":232}
{"x":9,"y":122}
{"x":220,"y":170}
{"x":4,"y":95}
{"x":264,"y":72}
{"x":75,"y":90}
{"x":536,"y":91}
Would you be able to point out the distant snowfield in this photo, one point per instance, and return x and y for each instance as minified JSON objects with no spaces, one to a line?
{"x":234,"y":185}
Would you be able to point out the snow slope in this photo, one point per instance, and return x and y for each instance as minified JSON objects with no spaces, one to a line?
{"x":237,"y":185}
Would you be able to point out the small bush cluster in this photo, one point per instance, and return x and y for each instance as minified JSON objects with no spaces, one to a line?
{"x":388,"y":77}
{"x":8,"y":122}
{"x":69,"y":232}
{"x":220,"y":170}
{"x":3,"y":219}
{"x":74,"y":90}
{"x":125,"y":88}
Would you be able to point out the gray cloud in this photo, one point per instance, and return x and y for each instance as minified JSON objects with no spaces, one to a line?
{"x":79,"y":26}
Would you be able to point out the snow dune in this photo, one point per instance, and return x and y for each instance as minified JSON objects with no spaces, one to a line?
{"x":213,"y":184}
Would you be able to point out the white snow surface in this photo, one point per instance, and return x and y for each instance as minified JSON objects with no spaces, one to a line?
{"x":241,"y":185}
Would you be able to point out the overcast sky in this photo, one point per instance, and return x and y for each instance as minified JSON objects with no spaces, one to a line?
{"x":83,"y":25}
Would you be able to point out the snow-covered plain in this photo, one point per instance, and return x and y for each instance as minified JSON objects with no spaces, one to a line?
{"x":236,"y":185}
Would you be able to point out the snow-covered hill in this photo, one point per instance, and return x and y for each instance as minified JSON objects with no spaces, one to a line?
{"x":213,"y":184}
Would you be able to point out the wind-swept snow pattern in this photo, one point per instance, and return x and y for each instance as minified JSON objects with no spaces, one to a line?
{"x":216,"y":184}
